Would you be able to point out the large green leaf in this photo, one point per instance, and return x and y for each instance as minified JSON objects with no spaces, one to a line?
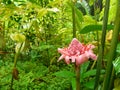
{"x":89,"y":73}
{"x":79,"y":18}
{"x":90,"y":28}
{"x":79,"y":15}
{"x":116,"y":65}
{"x":83,"y":69}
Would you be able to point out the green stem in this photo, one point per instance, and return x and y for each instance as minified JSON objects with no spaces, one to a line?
{"x":114,"y":41}
{"x":74,"y":36}
{"x":12,"y":79}
{"x":101,"y":47}
{"x":15,"y":63}
{"x":77,"y":77}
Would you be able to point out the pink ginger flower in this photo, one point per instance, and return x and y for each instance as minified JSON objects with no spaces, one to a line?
{"x":77,"y":53}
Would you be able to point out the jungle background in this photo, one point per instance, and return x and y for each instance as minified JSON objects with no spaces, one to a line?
{"x":48,"y":25}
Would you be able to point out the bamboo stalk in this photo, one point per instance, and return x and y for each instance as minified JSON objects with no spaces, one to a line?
{"x":74,"y":20}
{"x":101,"y":47}
{"x":106,"y":84}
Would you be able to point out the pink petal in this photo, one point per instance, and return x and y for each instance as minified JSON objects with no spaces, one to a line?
{"x":92,"y":56}
{"x":74,"y":46}
{"x":90,"y":46}
{"x":61,"y":57}
{"x":63,"y":51}
{"x":81,"y":59}
{"x":67,"y":59}
{"x":73,"y":58}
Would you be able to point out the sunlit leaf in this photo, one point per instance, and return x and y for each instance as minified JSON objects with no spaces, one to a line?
{"x":88,"y":20}
{"x":117,"y":84}
{"x":53,"y":9}
{"x":116,"y":64}
{"x":112,"y":11}
{"x":42,"y":12}
{"x":17,"y":47}
{"x":91,"y":2}
{"x":79,"y":15}
{"x":117,"y":88}
{"x":109,"y":35}
{"x":18,"y":37}
{"x":84,"y":5}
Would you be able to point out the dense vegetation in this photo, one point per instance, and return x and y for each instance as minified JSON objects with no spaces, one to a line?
{"x":31,"y":31}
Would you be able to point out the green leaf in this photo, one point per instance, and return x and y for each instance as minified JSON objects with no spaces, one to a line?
{"x":91,"y":2}
{"x":83,"y":70}
{"x":73,"y":82}
{"x":116,"y":64}
{"x":20,"y":38}
{"x":42,"y":12}
{"x":44,"y":47}
{"x":89,"y":73}
{"x":90,"y":28}
{"x":117,"y":88}
{"x":64,"y":73}
{"x":90,"y":84}
{"x":79,"y":15}
{"x":79,"y":19}
{"x":118,"y":48}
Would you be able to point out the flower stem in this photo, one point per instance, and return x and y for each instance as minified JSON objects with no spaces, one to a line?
{"x":77,"y":77}
{"x":74,"y":36}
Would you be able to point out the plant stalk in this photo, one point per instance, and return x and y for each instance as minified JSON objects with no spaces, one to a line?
{"x":101,"y":47}
{"x":77,"y":68}
{"x":15,"y":62}
{"x":77,"y":77}
{"x":74,"y":20}
{"x":114,"y":42}
{"x":14,"y":66}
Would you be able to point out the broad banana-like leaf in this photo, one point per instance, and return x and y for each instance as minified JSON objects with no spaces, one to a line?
{"x":90,"y":28}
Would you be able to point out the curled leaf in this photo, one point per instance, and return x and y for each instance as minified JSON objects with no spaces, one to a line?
{"x":19,"y":47}
{"x":15,"y":73}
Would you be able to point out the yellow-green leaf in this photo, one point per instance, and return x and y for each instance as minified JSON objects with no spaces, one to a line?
{"x":18,"y":37}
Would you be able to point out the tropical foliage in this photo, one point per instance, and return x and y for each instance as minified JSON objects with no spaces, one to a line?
{"x":31,"y":31}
